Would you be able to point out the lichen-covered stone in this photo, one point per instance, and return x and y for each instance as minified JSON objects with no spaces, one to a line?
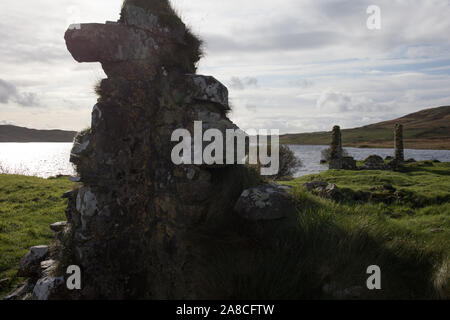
{"x":135,"y":16}
{"x":265,"y":202}
{"x":209,"y":89}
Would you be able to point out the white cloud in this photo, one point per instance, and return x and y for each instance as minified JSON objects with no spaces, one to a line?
{"x":9,"y":93}
{"x":243,"y":83}
{"x":297,"y":65}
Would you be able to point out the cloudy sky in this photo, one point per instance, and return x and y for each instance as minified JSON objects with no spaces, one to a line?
{"x":293,"y":65}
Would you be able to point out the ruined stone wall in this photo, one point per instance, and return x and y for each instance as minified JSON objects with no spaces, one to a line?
{"x":128,"y":219}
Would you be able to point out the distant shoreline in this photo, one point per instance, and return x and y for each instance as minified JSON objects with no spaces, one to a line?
{"x":368,"y":146}
{"x":15,"y":134}
{"x":374,"y":146}
{"x":24,"y":142}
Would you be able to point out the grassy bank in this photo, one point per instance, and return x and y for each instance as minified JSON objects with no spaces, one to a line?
{"x":28,"y":205}
{"x":322,"y":251}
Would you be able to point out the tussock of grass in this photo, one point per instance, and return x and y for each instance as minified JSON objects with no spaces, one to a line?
{"x":324,"y":244}
{"x":332,"y":244}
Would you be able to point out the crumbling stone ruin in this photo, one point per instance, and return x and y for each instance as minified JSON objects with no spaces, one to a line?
{"x":397,"y":163}
{"x":399,"y":149}
{"x":373,"y":162}
{"x":130,"y":218}
{"x":337,"y":159}
{"x":336,"y":151}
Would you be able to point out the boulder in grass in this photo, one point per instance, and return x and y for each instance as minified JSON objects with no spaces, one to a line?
{"x":374,"y":162}
{"x":265,"y":202}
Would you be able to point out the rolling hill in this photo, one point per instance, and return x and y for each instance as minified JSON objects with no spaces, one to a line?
{"x":426,"y":129}
{"x":9,"y":133}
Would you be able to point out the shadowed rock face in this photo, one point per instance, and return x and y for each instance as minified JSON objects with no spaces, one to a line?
{"x":129,"y":220}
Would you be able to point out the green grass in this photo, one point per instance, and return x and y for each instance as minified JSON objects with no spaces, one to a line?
{"x":326,"y":243}
{"x":426,"y":206}
{"x":28,"y":205}
{"x":422,"y":182}
{"x":322,"y":243}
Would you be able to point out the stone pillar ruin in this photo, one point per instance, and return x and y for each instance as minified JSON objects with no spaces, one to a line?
{"x":337,"y":159}
{"x":399,"y":147}
{"x":336,"y":153}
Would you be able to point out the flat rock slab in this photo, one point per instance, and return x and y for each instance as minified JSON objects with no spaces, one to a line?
{"x":265,"y":202}
{"x":58,"y":226}
{"x":95,"y":42}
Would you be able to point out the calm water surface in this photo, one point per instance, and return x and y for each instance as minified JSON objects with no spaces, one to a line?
{"x":36,"y":159}
{"x":311,"y":155}
{"x":51,"y":159}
